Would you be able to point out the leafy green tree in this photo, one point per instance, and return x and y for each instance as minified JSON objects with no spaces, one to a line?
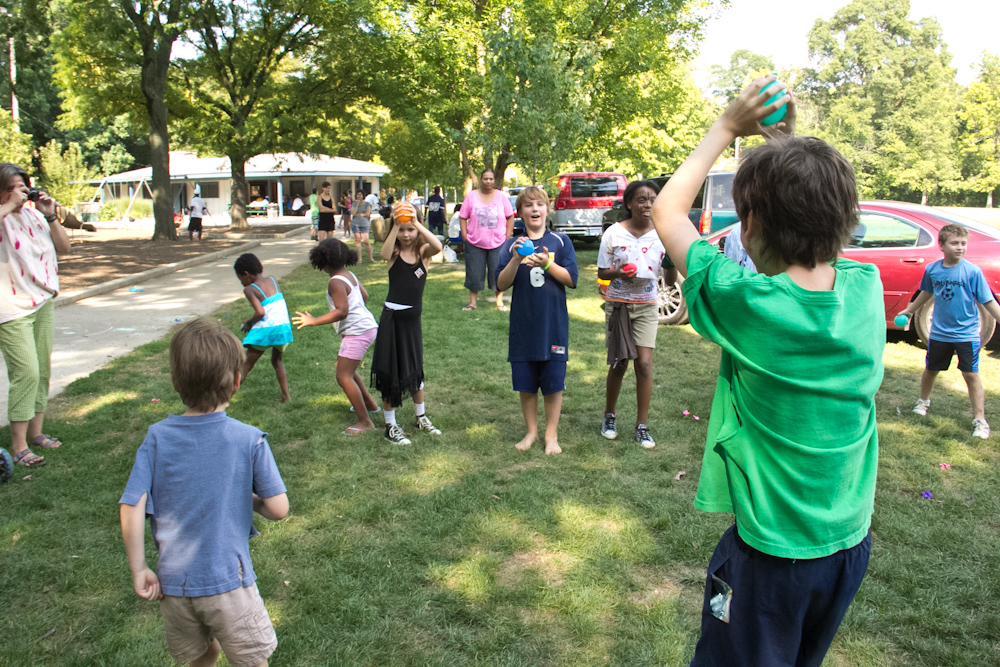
{"x":744,"y":67}
{"x":15,"y":146}
{"x":261,"y":78}
{"x":27,"y":23}
{"x":65,"y":175}
{"x":979,"y":133}
{"x":112,"y":57}
{"x":671,"y":116}
{"x":885,"y":94}
{"x":532,"y":82}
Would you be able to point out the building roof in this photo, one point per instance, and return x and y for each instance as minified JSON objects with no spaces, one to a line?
{"x":185,"y":165}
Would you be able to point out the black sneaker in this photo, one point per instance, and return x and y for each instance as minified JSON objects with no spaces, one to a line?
{"x":424,"y":424}
{"x":395,"y":435}
{"x":609,"y":429}
{"x":643,"y":437}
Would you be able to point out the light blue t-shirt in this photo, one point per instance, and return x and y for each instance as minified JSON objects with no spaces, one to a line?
{"x":957,"y":289}
{"x":199,"y":473}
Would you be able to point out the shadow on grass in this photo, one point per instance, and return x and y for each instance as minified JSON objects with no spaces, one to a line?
{"x":461,"y":550}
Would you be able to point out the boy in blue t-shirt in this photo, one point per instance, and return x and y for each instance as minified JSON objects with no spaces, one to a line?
{"x":956,"y":286}
{"x":539,"y":323}
{"x":199,"y":477}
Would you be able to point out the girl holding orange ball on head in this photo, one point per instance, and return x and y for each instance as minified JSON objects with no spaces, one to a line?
{"x":398,"y":360}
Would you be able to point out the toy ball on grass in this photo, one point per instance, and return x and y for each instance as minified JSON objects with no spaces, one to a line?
{"x":780,"y":113}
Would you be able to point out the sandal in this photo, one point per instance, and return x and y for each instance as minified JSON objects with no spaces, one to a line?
{"x":45,"y":441}
{"x":468,"y":308}
{"x":28,"y":459}
{"x":503,"y":309}
{"x":353,"y":430}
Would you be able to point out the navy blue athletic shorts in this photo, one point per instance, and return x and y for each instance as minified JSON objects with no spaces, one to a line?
{"x":782,"y":612}
{"x":530,"y":376}
{"x":939,"y":355}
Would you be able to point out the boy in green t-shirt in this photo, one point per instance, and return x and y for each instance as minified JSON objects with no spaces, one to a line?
{"x":792,"y":448}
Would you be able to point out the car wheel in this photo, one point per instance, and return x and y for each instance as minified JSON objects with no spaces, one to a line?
{"x":923,"y":317}
{"x":672,"y":307}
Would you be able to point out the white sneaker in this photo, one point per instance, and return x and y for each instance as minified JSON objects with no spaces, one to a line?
{"x":424,"y":424}
{"x":395,"y":435}
{"x":643,"y":437}
{"x":980,"y":429}
{"x":609,"y":427}
{"x":921,"y":407}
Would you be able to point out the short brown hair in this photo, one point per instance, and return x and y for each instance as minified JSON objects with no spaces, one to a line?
{"x":531,"y":193}
{"x":8,"y":172}
{"x":952,"y":230}
{"x":803,"y":197}
{"x":205,"y":358}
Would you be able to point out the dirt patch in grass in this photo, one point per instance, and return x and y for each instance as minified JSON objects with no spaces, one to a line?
{"x":94,"y":262}
{"x":512,"y":471}
{"x":550,"y":565}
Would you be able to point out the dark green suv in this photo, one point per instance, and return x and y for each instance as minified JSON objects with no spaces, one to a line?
{"x":713,"y":208}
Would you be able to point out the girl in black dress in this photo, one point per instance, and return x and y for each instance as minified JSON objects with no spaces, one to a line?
{"x":326,"y":213}
{"x":398,"y":360}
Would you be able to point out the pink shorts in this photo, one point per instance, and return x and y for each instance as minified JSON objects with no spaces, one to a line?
{"x":354,"y":347}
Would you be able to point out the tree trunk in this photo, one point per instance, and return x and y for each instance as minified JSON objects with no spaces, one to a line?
{"x":241,"y":193}
{"x":157,"y":39}
{"x":468,"y":177}
{"x":155,"y":60}
{"x":989,"y":199}
{"x":501,"y":165}
{"x":923,"y":197}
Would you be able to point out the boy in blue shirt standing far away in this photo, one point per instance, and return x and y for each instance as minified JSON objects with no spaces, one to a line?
{"x":956,"y":286}
{"x":199,"y":477}
{"x":538,"y":340}
{"x":792,"y":448}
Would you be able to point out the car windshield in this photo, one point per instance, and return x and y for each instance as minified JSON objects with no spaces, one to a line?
{"x":948,"y":216}
{"x":722,"y":192}
{"x":597,"y":186}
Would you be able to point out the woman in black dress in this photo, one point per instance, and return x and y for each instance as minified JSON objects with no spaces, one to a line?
{"x":326,"y":213}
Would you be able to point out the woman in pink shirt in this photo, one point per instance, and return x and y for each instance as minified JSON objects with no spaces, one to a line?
{"x":487,"y":220}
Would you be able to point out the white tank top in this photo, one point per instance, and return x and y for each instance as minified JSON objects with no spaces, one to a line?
{"x":359,"y":319}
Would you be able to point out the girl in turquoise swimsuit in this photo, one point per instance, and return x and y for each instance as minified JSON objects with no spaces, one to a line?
{"x":269,"y":326}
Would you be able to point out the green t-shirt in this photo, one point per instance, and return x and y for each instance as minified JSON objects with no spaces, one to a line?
{"x":792,"y":448}
{"x":313,"y":208}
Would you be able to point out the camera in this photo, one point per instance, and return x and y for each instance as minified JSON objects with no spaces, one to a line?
{"x":33,"y":194}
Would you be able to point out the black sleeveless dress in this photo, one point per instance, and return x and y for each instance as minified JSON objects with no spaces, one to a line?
{"x":326,"y":221}
{"x":398,"y":359}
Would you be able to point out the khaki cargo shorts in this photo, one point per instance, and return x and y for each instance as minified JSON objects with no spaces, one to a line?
{"x":645,"y":319}
{"x":236,"y":618}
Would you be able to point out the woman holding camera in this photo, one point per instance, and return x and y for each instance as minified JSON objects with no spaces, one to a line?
{"x":30,"y":239}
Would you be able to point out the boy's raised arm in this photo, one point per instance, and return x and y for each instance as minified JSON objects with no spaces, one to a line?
{"x":133,"y":519}
{"x":672,"y":205}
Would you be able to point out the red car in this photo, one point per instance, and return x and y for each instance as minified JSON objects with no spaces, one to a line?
{"x":900,"y":239}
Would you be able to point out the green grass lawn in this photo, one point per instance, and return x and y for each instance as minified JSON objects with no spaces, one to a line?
{"x":460,"y":550}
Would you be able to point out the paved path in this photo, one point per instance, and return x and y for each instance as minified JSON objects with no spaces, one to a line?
{"x":92,"y":332}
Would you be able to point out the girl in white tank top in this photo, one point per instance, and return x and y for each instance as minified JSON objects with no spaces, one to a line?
{"x":353,"y":321}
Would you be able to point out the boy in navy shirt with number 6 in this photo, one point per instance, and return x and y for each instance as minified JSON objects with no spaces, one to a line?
{"x":199,"y":477}
{"x":956,"y":286}
{"x":539,"y":323}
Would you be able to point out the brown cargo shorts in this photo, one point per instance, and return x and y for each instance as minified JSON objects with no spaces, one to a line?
{"x":236,"y":618}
